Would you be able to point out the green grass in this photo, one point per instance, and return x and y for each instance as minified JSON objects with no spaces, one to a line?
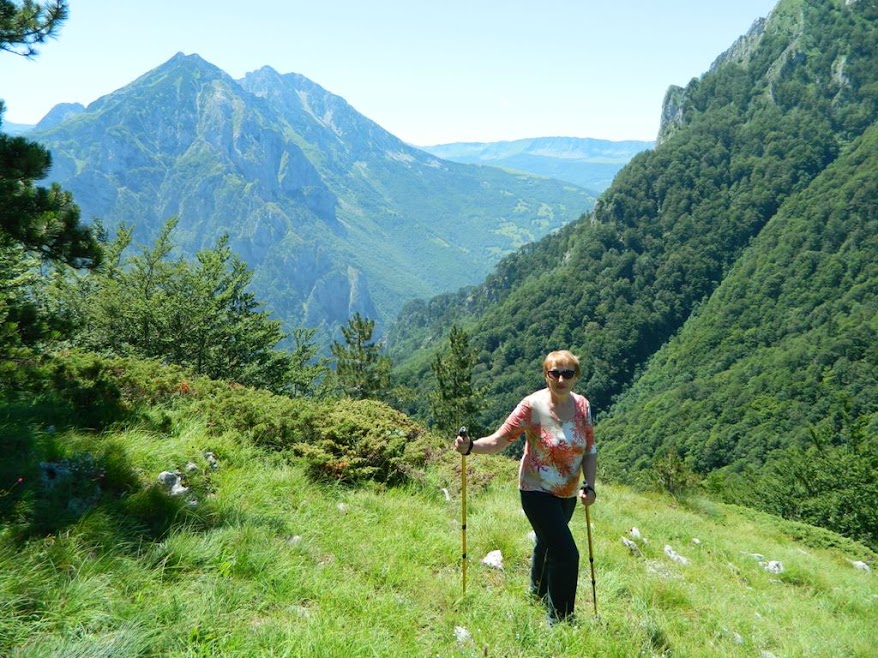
{"x":269,"y":563}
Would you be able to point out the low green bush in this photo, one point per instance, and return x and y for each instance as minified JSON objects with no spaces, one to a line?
{"x":91,"y":391}
{"x":359,"y":440}
{"x":266,"y":419}
{"x":341,"y":440}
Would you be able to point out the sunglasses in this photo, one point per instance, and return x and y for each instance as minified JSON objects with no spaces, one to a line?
{"x":554,"y":373}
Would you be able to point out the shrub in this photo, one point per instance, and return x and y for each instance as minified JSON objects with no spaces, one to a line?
{"x":88,"y":390}
{"x":343,"y":440}
{"x":672,"y":475}
{"x":266,"y":419}
{"x":361,"y":440}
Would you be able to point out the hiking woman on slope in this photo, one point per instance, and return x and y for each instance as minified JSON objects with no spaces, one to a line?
{"x":559,"y":443}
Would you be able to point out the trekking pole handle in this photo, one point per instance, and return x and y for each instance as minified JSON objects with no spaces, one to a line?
{"x":462,"y":432}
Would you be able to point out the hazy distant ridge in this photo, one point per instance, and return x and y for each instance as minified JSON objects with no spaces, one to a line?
{"x":590,"y":163}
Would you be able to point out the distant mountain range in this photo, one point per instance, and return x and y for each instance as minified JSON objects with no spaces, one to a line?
{"x":13,"y":129}
{"x":589,"y":163}
{"x":334,"y":214}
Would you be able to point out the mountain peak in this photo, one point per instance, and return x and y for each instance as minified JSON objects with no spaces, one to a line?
{"x":180,"y":56}
{"x":268,"y":70}
{"x":321,"y":201}
{"x":59,"y":113}
{"x":193,"y":62}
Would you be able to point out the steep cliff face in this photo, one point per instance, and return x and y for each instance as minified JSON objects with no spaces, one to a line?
{"x":334,"y":214}
{"x":672,"y":114}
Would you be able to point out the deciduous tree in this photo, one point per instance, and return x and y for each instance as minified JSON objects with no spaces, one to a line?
{"x":199,"y":314}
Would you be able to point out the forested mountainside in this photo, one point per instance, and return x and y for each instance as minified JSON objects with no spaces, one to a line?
{"x":589,"y":163}
{"x":751,"y":154}
{"x":333,"y":214}
{"x":772,"y":386}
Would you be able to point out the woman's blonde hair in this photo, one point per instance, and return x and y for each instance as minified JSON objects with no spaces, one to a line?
{"x":560,"y":355}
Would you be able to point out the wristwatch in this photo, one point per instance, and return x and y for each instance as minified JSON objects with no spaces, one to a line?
{"x":586,"y":487}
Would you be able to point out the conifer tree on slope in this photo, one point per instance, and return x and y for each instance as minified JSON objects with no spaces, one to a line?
{"x":42,"y":220}
{"x":36,"y":221}
{"x":363,"y":371}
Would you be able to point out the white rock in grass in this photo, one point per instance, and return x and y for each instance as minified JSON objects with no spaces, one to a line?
{"x":676,"y":557}
{"x":461,"y":634}
{"x":696,"y":541}
{"x":342,"y":507}
{"x":634,"y":548}
{"x":168,"y":479}
{"x":634,"y":532}
{"x":772,"y":566}
{"x":447,"y":495}
{"x":172,"y":482}
{"x":494,"y":559}
{"x":862,"y":566}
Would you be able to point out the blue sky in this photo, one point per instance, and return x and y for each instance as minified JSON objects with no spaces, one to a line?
{"x":428,"y":71}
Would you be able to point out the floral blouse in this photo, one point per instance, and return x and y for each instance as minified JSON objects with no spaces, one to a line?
{"x":553,"y":450}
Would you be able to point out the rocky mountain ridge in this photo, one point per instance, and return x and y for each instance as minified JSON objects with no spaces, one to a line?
{"x":334,"y":214}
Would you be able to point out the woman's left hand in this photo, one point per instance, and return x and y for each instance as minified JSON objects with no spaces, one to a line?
{"x":587,"y":495}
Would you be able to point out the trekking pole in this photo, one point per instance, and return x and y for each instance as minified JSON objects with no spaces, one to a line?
{"x":594,"y":596}
{"x":463,"y":433}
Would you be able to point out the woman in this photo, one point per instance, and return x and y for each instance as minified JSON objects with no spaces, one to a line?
{"x":559,"y":435}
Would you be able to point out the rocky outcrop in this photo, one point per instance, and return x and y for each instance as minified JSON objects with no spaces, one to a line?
{"x":674,"y":103}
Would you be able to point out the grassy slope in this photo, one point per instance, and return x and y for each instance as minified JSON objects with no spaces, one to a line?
{"x":271,"y":564}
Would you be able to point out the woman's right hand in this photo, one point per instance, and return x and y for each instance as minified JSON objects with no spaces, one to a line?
{"x":462,"y":444}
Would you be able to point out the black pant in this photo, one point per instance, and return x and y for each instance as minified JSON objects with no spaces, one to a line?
{"x":554,"y":571}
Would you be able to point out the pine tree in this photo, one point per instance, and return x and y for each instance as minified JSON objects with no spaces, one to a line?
{"x":308,"y":370}
{"x":23,"y":27}
{"x":42,"y":220}
{"x":455,"y":402}
{"x":363,"y":372}
{"x":36,"y":223}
